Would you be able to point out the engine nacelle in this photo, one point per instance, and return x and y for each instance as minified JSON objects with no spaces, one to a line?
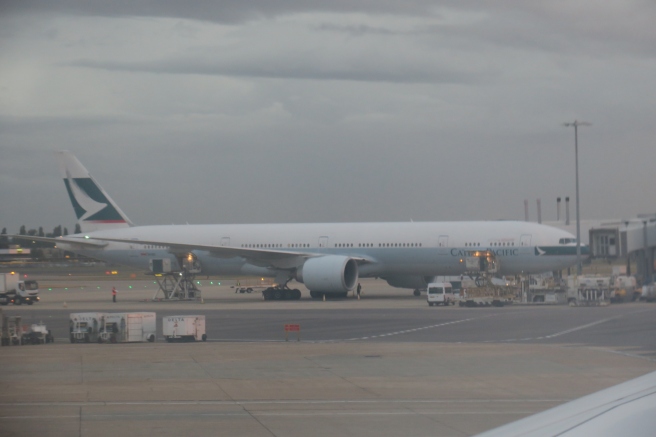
{"x":329,"y":274}
{"x":410,"y":281}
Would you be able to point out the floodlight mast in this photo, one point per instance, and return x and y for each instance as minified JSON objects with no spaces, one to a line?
{"x":576,"y":124}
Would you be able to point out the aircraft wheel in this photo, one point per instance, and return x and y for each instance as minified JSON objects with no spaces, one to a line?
{"x":297,"y":294}
{"x":277,"y":294}
{"x":417,"y":292}
{"x":286,"y":294}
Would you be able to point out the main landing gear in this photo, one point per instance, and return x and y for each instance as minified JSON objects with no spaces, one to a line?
{"x":281,"y":293}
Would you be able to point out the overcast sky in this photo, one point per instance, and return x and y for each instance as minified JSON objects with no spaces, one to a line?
{"x":313,"y":111}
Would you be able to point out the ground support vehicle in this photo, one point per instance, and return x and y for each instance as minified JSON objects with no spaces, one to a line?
{"x":440,"y":293}
{"x":246,"y":286}
{"x":86,"y":327}
{"x":624,"y":289}
{"x":543,"y":289}
{"x":12,"y":331}
{"x":129,"y":328}
{"x":184,"y":328}
{"x":648,"y":293}
{"x":38,"y":334}
{"x":17,"y":291}
{"x":589,"y":290}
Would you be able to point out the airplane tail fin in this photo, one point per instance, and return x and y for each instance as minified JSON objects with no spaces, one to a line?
{"x":94,"y":209}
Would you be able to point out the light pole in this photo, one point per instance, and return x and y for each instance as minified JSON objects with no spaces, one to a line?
{"x":576,"y":124}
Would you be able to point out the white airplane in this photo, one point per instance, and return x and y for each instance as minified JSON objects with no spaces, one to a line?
{"x":625,"y":409}
{"x":327,"y":257}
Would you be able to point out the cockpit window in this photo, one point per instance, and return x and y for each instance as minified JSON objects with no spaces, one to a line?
{"x":567,"y":241}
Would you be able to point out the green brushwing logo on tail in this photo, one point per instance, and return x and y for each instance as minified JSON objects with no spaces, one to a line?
{"x":89,"y":202}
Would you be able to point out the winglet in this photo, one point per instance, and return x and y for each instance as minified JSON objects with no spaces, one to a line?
{"x":94,"y":209}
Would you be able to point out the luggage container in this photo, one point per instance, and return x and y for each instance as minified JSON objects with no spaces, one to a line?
{"x":86,"y":327}
{"x":184,"y":328}
{"x":129,"y":327}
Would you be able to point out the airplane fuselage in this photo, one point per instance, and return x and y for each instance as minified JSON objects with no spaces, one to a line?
{"x":407,"y":248}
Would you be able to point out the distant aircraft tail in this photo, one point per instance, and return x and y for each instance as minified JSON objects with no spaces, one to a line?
{"x":94,"y":209}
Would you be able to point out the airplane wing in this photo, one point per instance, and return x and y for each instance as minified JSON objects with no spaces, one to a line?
{"x":626,"y":409}
{"x":283,"y":259}
{"x":91,"y":244}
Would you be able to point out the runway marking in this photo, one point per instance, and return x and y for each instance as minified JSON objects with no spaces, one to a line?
{"x":626,"y":354}
{"x":406,"y":331}
{"x":568,"y":331}
{"x":275,"y":402}
{"x":268,"y":414}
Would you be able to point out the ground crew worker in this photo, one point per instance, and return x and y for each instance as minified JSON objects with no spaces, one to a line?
{"x":113,"y":294}
{"x":359,"y":289}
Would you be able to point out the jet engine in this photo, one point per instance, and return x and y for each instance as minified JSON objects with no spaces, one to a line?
{"x":329,"y":274}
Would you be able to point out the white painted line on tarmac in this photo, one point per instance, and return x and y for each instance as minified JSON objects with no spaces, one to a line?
{"x":276,"y":402}
{"x":267,"y":414}
{"x":407,"y":331}
{"x":568,"y":331}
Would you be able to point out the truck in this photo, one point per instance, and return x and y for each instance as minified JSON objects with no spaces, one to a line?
{"x":17,"y":291}
{"x":86,"y":327}
{"x":440,"y":293}
{"x":129,"y":327}
{"x":184,"y":328}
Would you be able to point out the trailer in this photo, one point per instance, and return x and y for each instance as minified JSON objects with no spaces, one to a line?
{"x":38,"y":334}
{"x":589,"y":290}
{"x":256,"y":286}
{"x":184,"y":328}
{"x":129,"y":328}
{"x":86,"y":327}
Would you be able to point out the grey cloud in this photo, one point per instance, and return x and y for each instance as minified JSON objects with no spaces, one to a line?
{"x":226,"y":11}
{"x":301,"y":69}
{"x":34,"y":124}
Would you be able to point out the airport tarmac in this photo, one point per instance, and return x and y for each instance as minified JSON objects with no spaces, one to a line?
{"x":385,"y":365}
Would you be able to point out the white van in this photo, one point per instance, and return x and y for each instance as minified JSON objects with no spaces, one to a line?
{"x":440,"y":293}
